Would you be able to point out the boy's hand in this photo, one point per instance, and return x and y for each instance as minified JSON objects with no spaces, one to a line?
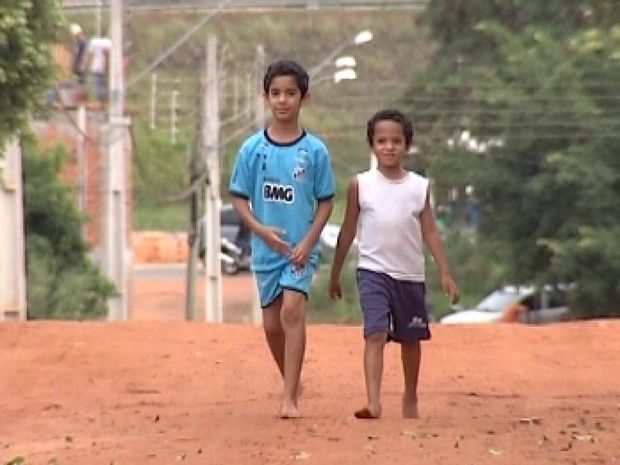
{"x":335,"y":290}
{"x":450,"y":288}
{"x":300,"y":253}
{"x":273,"y":238}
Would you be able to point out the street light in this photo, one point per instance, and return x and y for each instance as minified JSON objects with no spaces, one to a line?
{"x":362,"y":37}
{"x":345,"y":74}
{"x":359,"y":39}
{"x":345,"y":62}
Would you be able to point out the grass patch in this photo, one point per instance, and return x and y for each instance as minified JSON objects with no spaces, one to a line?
{"x":167,"y":217}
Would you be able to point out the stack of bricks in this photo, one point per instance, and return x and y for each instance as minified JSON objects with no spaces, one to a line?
{"x":150,"y":247}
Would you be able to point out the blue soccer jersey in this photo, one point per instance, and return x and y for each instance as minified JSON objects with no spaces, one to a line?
{"x":283,"y":183}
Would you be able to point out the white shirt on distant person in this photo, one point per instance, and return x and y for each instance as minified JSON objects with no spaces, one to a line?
{"x":98,"y":49}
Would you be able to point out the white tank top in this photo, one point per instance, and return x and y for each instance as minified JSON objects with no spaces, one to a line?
{"x":389,"y":233}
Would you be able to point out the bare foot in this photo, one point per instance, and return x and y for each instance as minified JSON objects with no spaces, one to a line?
{"x":289,"y":411}
{"x":367,"y":414}
{"x":410,"y":408}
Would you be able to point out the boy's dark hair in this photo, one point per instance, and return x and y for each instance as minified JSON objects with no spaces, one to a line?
{"x":287,"y":68}
{"x":390,"y":115}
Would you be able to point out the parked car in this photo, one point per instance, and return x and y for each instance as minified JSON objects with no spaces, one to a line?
{"x":525,"y":304}
{"x":329,"y":237}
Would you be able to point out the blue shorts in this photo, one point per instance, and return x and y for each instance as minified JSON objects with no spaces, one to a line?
{"x":393,"y":306}
{"x":273,"y":282}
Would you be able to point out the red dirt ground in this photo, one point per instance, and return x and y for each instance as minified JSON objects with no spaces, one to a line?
{"x":166,"y":392}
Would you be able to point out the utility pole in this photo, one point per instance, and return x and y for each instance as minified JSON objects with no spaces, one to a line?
{"x":196,"y":228}
{"x":81,"y":162}
{"x":259,"y":123}
{"x":259,"y":104}
{"x":98,"y":18}
{"x":174,"y":109}
{"x":116,"y":257}
{"x":213,"y":240}
{"x":153,"y":109}
{"x":12,"y":244}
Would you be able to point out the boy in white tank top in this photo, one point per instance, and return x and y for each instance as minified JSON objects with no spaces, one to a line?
{"x":395,"y":220}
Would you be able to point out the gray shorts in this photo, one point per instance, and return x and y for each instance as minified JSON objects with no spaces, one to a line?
{"x":396,"y":307}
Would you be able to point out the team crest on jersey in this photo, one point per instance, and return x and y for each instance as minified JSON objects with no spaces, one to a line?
{"x":274,"y":192}
{"x":300,"y":171}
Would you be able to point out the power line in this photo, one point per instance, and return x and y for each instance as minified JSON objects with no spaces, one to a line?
{"x":245,"y":5}
{"x":177,"y":44}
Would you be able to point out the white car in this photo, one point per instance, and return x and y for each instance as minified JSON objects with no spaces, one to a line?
{"x":329,"y":236}
{"x":525,"y":304}
{"x":492,"y":307}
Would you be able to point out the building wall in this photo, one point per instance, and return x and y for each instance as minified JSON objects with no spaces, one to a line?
{"x":60,"y":130}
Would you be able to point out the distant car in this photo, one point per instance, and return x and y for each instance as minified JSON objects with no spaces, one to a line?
{"x":329,"y":236}
{"x":525,"y":304}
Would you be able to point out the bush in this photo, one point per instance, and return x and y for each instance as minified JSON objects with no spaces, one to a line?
{"x":160,"y":173}
{"x":62,"y":281}
{"x":321,"y":308}
{"x":477,"y":269}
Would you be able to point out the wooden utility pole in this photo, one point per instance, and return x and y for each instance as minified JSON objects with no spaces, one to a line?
{"x":12,"y":242}
{"x":213,"y":240}
{"x":116,"y":256}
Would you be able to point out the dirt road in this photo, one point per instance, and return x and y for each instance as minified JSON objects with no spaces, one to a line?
{"x":158,"y":293}
{"x":161,"y":391}
{"x":168,"y":392}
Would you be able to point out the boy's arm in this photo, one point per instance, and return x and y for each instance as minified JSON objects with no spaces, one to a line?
{"x":271,"y":235}
{"x":301,"y":252}
{"x":345,"y":238}
{"x":433,"y":242}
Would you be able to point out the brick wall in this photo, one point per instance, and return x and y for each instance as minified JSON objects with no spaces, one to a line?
{"x":61,"y":131}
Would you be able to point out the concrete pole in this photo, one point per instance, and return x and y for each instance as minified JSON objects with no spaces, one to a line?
{"x":12,"y":243}
{"x":116,"y":254}
{"x":153,"y":109}
{"x":174,"y":107}
{"x":98,"y":19}
{"x":213,"y":288}
{"x":259,"y":123}
{"x":259,"y":103}
{"x":195,"y":228}
{"x":81,"y":162}
{"x":235,"y":95}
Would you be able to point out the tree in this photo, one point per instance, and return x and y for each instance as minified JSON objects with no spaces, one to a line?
{"x":27,"y":28}
{"x":519,"y":100}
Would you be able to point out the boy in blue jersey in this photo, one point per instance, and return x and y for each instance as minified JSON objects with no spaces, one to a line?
{"x":282,"y":187}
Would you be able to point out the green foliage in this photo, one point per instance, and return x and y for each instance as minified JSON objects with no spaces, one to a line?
{"x":321,"y":308}
{"x":534,"y":85}
{"x":27,"y":28}
{"x":592,"y":260}
{"x":478,"y":266}
{"x":62,"y":281}
{"x":337,"y":113}
{"x":160,"y":174}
